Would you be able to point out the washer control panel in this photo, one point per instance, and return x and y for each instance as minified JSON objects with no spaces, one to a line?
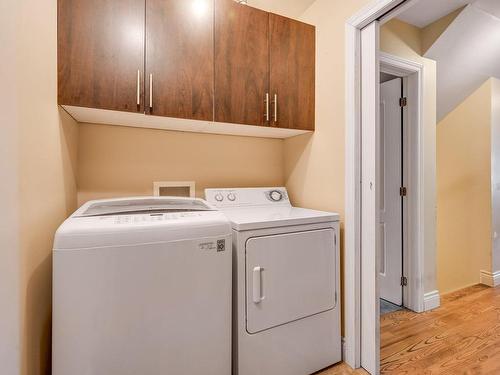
{"x":149,"y":218}
{"x":275,"y":195}
{"x":247,"y":197}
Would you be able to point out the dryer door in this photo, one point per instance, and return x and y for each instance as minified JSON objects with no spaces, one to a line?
{"x":289,"y":277}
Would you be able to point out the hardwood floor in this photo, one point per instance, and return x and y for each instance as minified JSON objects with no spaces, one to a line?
{"x":460,"y":337}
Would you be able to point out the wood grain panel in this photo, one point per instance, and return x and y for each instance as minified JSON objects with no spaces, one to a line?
{"x":293,"y":51}
{"x":100,"y":50}
{"x":241,"y":63}
{"x":180,"y":55}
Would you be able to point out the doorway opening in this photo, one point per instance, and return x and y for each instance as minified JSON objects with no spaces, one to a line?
{"x":393,"y":103}
{"x":406,"y":183}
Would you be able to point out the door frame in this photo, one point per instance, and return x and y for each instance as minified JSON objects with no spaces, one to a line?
{"x":403,"y":180}
{"x":413,"y":176}
{"x":379,"y":12}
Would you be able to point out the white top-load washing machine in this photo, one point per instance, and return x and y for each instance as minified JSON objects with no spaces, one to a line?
{"x":142,"y":286}
{"x":286,"y":302}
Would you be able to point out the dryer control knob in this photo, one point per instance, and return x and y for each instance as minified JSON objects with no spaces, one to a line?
{"x":276,"y":195}
{"x":231,"y":197}
{"x":219,"y":197}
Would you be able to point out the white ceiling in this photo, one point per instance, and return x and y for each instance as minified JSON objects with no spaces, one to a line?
{"x":289,"y":8}
{"x":489,"y":6}
{"x":467,"y":54}
{"x":426,"y":12}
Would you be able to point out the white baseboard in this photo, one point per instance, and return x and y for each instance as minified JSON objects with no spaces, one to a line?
{"x":343,"y":351}
{"x":490,"y":278}
{"x":432,"y":300}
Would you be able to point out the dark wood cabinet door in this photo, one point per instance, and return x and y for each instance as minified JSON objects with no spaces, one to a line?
{"x":101,"y":53}
{"x":293,"y":50}
{"x":241,"y":63}
{"x":179,"y":58}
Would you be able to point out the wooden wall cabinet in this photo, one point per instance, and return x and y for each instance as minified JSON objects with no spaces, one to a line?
{"x":264,"y":68}
{"x":180,"y":58}
{"x":241,"y":63}
{"x":101,"y":54}
{"x":212,"y":60}
{"x":292,"y":72}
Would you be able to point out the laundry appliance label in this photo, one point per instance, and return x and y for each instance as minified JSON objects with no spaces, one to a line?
{"x":219,"y":246}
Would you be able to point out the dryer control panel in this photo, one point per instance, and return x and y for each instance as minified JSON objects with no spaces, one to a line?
{"x":249,"y":197}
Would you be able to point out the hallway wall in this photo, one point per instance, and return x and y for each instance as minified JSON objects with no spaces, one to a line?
{"x":464,"y":192}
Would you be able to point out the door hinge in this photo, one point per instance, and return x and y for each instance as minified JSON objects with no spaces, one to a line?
{"x":404,"y":281}
{"x":402,"y":191}
{"x":403,"y":102}
{"x":335,"y":297}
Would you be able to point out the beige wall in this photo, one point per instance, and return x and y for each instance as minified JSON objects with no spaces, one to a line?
{"x":464,"y":192}
{"x":9,"y":202}
{"x":314,"y":164}
{"x":45,"y":146}
{"x":288,"y":8}
{"x":121,"y":161}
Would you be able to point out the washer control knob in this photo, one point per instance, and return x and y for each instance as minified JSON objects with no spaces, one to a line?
{"x":231,"y":197}
{"x":276,"y":195}
{"x":219,"y":197}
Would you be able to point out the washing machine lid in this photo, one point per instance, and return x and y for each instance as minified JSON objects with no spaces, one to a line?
{"x":132,"y":221}
{"x":142,"y":205}
{"x":252,"y":218}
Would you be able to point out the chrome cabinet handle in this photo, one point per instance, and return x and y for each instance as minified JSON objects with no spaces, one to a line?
{"x":138,"y":87}
{"x":267,"y":107}
{"x":275,"y":108}
{"x":151,"y":91}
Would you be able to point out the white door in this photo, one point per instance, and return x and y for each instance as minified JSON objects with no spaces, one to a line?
{"x":370,"y":179}
{"x":391,"y":205}
{"x":289,"y":277}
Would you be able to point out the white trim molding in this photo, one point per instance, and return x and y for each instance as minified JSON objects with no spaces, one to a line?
{"x":490,"y":278}
{"x":432,"y":300}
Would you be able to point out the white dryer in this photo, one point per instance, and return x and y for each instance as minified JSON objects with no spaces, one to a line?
{"x":142,"y":286}
{"x":286,"y":302}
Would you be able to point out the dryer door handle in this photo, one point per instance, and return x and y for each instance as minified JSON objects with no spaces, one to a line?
{"x":257,"y":285}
